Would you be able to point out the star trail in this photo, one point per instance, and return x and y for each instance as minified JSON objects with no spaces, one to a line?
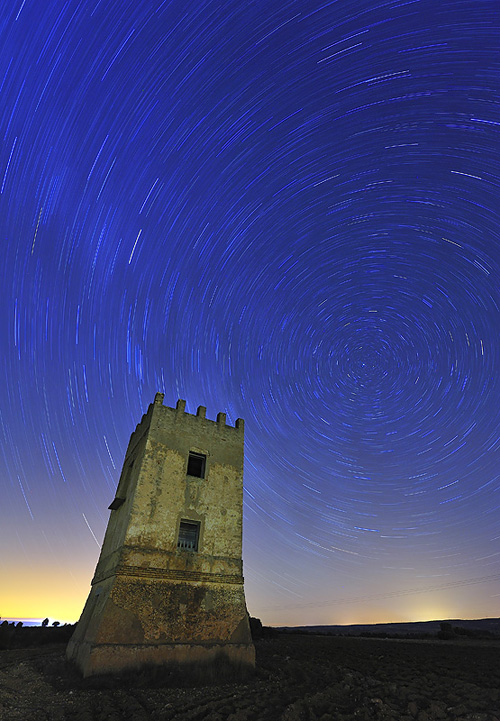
{"x":285,"y":211}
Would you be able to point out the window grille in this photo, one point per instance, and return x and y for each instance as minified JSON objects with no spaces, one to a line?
{"x":189,"y":533}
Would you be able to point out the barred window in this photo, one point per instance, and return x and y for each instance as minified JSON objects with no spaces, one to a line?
{"x":189,"y":534}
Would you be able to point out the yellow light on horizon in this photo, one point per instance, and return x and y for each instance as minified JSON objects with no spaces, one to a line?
{"x":44,"y":593}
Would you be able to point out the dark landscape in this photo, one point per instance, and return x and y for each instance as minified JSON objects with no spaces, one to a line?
{"x":299,"y":677}
{"x":483,"y":627}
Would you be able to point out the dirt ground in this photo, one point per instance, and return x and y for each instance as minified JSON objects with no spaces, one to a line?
{"x":298,"y":678}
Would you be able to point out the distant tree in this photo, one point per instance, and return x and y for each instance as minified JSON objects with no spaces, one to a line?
{"x":255,"y":627}
{"x":19,"y":624}
{"x":446,"y":632}
{"x":56,"y":623}
{"x":259,"y":631}
{"x":45,"y":622}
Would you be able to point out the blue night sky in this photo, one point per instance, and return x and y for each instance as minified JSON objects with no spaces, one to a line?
{"x":288,"y":211}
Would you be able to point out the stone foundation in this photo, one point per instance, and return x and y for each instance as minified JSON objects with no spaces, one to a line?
{"x":206,"y":662}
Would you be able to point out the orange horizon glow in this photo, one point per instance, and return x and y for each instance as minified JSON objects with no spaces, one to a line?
{"x":59,"y":597}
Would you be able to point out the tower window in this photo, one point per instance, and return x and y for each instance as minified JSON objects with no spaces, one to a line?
{"x":196,"y":465}
{"x":189,"y":534}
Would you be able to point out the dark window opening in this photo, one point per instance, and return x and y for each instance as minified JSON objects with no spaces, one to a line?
{"x":189,"y":534}
{"x":196,"y":465}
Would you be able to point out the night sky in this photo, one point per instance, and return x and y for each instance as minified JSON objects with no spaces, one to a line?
{"x":287,"y":211}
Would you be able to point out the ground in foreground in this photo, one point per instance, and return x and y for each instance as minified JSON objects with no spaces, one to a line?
{"x":298,"y":678}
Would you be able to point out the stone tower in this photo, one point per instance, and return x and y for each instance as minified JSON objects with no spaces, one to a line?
{"x":168,"y":586}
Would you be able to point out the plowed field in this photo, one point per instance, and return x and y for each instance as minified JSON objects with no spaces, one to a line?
{"x":298,"y":678}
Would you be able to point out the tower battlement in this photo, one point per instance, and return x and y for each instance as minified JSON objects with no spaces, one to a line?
{"x":168,"y":586}
{"x":181,"y":413}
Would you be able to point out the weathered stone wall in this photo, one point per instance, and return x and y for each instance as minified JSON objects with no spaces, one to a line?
{"x":149,"y":598}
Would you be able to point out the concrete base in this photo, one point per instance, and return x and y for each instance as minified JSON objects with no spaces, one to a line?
{"x":203,"y":662}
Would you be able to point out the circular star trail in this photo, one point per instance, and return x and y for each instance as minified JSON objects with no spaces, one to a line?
{"x":286,"y":211}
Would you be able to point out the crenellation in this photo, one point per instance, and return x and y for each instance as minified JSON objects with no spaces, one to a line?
{"x":181,"y":413}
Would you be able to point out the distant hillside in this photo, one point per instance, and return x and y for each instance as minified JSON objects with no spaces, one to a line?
{"x":482,"y":625}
